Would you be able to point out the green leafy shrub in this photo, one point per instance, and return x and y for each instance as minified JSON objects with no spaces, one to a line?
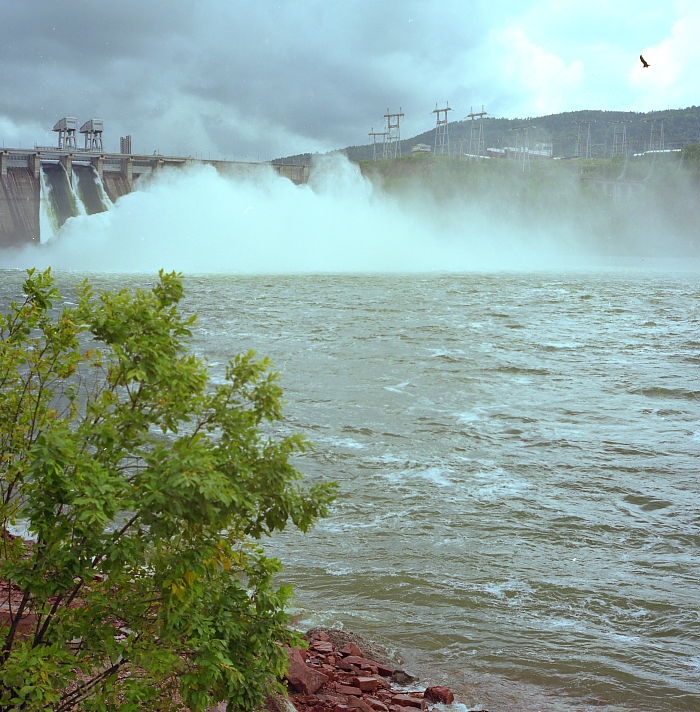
{"x":146,"y":491}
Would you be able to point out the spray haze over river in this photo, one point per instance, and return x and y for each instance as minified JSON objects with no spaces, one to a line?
{"x":197,"y":220}
{"x":517,"y":450}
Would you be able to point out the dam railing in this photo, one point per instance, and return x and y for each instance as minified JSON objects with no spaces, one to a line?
{"x":132,"y":165}
{"x":116,"y":173}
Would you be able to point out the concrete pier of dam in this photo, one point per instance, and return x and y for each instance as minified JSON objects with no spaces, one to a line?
{"x":96,"y":177}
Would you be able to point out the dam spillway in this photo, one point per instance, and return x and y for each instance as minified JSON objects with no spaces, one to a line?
{"x":73,"y":182}
{"x":20,"y":196}
{"x":90,"y":190}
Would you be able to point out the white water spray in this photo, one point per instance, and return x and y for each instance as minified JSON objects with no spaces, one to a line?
{"x":196,"y":220}
{"x":48,"y":225}
{"x":75,"y":193}
{"x":104,"y":197}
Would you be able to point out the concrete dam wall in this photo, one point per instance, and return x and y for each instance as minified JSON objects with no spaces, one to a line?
{"x":40,"y":190}
{"x":20,"y":194}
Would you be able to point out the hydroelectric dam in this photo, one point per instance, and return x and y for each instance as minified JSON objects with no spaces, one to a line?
{"x":41,"y":188}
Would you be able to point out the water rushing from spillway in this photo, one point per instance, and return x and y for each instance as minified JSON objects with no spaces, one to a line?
{"x":198,"y":220}
{"x":518,"y":459}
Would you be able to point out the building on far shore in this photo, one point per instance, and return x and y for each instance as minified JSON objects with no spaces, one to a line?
{"x":514,"y":152}
{"x":421,"y":148}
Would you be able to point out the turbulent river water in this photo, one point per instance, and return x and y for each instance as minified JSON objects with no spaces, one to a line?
{"x":518,"y":460}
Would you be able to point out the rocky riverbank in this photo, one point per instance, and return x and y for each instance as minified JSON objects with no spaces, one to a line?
{"x":340,"y":672}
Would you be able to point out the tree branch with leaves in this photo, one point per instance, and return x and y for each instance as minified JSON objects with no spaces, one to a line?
{"x":146,"y":490}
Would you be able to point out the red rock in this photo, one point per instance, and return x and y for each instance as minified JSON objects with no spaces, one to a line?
{"x":385,"y":670}
{"x":322,"y":635}
{"x":307,"y":699}
{"x":352,"y":662}
{"x":346,"y":677}
{"x":329,"y":671}
{"x":301,"y":677}
{"x":366,"y":684}
{"x":402,"y":677}
{"x":347,"y":689}
{"x":356,"y":660}
{"x":352,"y":649}
{"x":332,"y":699}
{"x":359,"y":703}
{"x":376,"y":704}
{"x":440,"y":694}
{"x":408,"y":701}
{"x":322,"y":646}
{"x":345,"y":665}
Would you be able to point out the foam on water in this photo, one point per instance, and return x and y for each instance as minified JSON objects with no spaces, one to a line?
{"x":342,"y":442}
{"x":433,"y":475}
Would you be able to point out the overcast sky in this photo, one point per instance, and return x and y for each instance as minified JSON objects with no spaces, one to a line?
{"x":256,"y":79}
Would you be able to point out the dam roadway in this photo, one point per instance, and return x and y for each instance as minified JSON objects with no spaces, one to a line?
{"x":72,"y":174}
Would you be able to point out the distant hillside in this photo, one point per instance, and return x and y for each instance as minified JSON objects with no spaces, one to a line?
{"x":680,"y":127}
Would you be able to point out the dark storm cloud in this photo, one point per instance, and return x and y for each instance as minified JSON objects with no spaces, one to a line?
{"x":223,"y":76}
{"x":253,"y":78}
{"x":321,"y":70}
{"x":83,"y":58}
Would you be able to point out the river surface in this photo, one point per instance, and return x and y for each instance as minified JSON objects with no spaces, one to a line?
{"x":518,"y":459}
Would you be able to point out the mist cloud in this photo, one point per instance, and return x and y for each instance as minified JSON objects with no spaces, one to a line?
{"x":197,"y":220}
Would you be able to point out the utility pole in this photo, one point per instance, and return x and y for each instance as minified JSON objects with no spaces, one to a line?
{"x":583,"y":142}
{"x":374,"y":135}
{"x":476,"y":136}
{"x":656,"y":136}
{"x":442,"y":136}
{"x":392,"y":140}
{"x":522,"y":145}
{"x":620,"y":146}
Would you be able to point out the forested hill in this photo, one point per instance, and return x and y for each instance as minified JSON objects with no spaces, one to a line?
{"x":680,"y":127}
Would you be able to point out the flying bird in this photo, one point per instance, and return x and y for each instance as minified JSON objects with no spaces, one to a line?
{"x":645,"y":64}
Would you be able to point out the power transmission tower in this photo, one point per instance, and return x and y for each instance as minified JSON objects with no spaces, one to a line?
{"x":620,"y":145}
{"x":656,"y":135}
{"x":442,"y":136}
{"x":392,"y":140}
{"x":583,"y":139}
{"x":374,"y":135}
{"x":522,"y":145}
{"x":476,"y":134}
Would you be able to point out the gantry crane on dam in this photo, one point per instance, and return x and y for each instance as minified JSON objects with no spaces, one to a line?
{"x":21,"y":172}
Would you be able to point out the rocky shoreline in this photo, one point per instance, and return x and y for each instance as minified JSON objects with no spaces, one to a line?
{"x":338,"y":672}
{"x":341,"y":672}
